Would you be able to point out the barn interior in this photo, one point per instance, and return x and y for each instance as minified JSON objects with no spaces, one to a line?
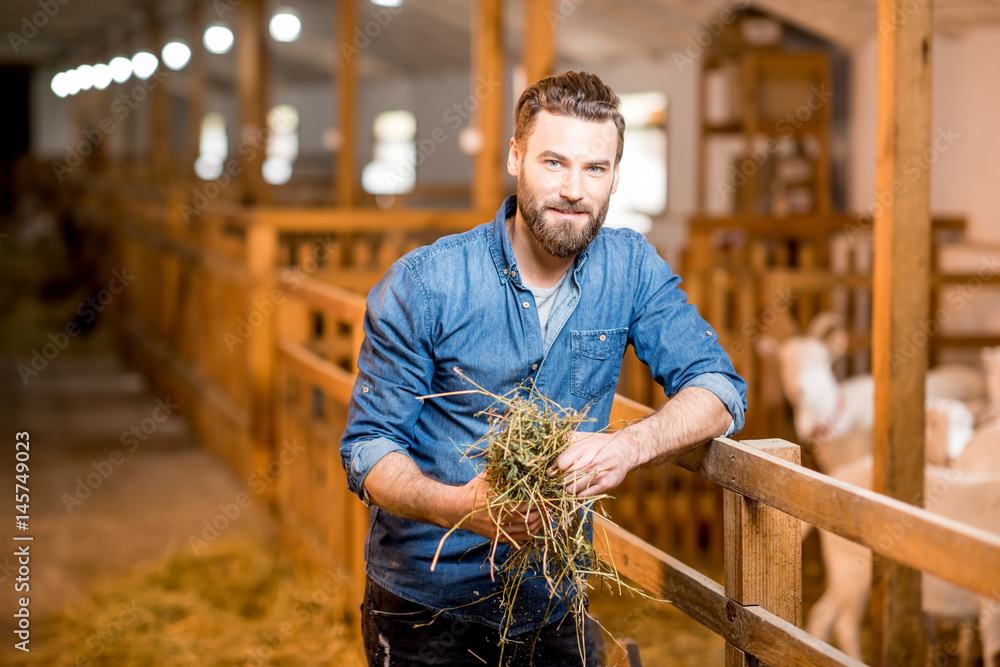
{"x":196,"y":198}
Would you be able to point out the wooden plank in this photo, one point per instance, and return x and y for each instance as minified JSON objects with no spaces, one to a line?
{"x":900,"y":301}
{"x":347,"y":104}
{"x":763,"y":553}
{"x":804,"y":226}
{"x":370,"y":220}
{"x":929,"y":542}
{"x":538,"y":48}
{"x":259,"y":347}
{"x":159,"y":121}
{"x":317,"y":371}
{"x":198,"y":84}
{"x":251,"y":85}
{"x":487,"y":56}
{"x":751,"y":629}
{"x":331,"y":299}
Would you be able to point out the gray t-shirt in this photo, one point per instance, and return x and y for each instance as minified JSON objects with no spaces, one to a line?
{"x":545,"y":301}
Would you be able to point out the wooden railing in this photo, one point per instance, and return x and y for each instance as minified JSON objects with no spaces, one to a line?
{"x":753,"y":274}
{"x":277,"y":392}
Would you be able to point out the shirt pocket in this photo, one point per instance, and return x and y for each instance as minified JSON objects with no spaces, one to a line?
{"x":597,"y":361}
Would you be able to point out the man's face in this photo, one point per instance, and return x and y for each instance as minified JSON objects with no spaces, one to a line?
{"x":565,"y":178}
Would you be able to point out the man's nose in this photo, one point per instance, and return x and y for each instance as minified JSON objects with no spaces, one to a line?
{"x":571,"y":187}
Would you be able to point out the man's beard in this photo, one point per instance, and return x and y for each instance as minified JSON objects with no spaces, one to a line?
{"x":560,"y":238}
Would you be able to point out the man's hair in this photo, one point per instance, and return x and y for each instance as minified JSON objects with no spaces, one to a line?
{"x":579,"y":95}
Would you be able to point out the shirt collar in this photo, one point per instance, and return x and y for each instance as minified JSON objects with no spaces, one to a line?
{"x":500,"y":248}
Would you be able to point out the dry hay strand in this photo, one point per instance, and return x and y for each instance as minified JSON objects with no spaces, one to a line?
{"x":237,"y":603}
{"x":519,"y":454}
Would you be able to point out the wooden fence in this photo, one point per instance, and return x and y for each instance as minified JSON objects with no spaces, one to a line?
{"x":230,"y":315}
{"x":751,"y":275}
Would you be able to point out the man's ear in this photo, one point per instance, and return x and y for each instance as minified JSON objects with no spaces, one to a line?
{"x":513,"y":159}
{"x":614,"y":180}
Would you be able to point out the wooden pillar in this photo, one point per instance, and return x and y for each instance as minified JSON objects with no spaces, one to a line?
{"x":900,"y":302}
{"x":347,"y":102}
{"x":198,"y":82}
{"x":251,"y":83}
{"x":159,"y":122}
{"x":262,"y":241}
{"x":539,"y":48}
{"x":763,"y":549}
{"x":488,"y":69}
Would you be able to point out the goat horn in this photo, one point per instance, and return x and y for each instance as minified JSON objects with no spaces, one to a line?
{"x":824,"y":323}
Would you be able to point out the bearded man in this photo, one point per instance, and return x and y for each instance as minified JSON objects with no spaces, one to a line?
{"x":541,"y":295}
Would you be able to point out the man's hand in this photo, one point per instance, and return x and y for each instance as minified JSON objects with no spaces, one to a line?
{"x":597,"y":462}
{"x":471,"y":503}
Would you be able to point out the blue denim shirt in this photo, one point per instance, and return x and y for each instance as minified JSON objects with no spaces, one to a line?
{"x":461,"y":303}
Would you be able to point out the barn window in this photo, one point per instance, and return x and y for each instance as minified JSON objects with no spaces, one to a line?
{"x":213,"y":146}
{"x":282,"y":144}
{"x":642,"y":179}
{"x":393,"y":169}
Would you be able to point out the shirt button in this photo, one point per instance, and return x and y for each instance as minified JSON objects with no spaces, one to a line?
{"x":534,"y":367}
{"x":506,"y":271}
{"x":513,"y":274}
{"x":708,"y":333}
{"x":364,"y":389}
{"x":603,"y":337}
{"x":525,"y":304}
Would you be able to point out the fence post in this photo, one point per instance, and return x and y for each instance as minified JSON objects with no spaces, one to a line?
{"x":763,"y":551}
{"x":261,"y":244}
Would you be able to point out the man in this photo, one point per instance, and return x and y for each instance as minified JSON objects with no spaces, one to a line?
{"x":541,"y":294}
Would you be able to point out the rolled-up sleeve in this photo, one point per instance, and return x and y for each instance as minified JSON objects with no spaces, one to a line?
{"x":394,"y":368}
{"x":681,"y":349}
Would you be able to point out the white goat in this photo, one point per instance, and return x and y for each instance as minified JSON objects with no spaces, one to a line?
{"x":972,"y":498}
{"x":835,"y":417}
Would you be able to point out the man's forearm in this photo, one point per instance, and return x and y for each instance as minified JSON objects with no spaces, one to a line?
{"x":398,"y":486}
{"x":690,"y":418}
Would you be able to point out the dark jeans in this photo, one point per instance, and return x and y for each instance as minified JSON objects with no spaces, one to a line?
{"x":391,"y":640}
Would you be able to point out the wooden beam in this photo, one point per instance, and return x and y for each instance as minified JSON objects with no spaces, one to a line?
{"x":539,"y":48}
{"x":159,"y":121}
{"x":251,"y":83}
{"x":752,"y":629}
{"x":198,"y":82}
{"x":487,"y":56}
{"x":929,"y":542}
{"x":763,"y":554}
{"x":347,"y":103}
{"x":900,"y":302}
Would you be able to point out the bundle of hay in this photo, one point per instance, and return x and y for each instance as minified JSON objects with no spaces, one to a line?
{"x":520,"y":451}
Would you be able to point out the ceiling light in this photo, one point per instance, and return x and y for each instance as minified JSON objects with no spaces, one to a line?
{"x":144,"y":64}
{"x":60,"y":86}
{"x":285,"y":26}
{"x":102,"y":76}
{"x":175,"y":55}
{"x":218,"y":39}
{"x":121,"y":69}
{"x":85,"y":75}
